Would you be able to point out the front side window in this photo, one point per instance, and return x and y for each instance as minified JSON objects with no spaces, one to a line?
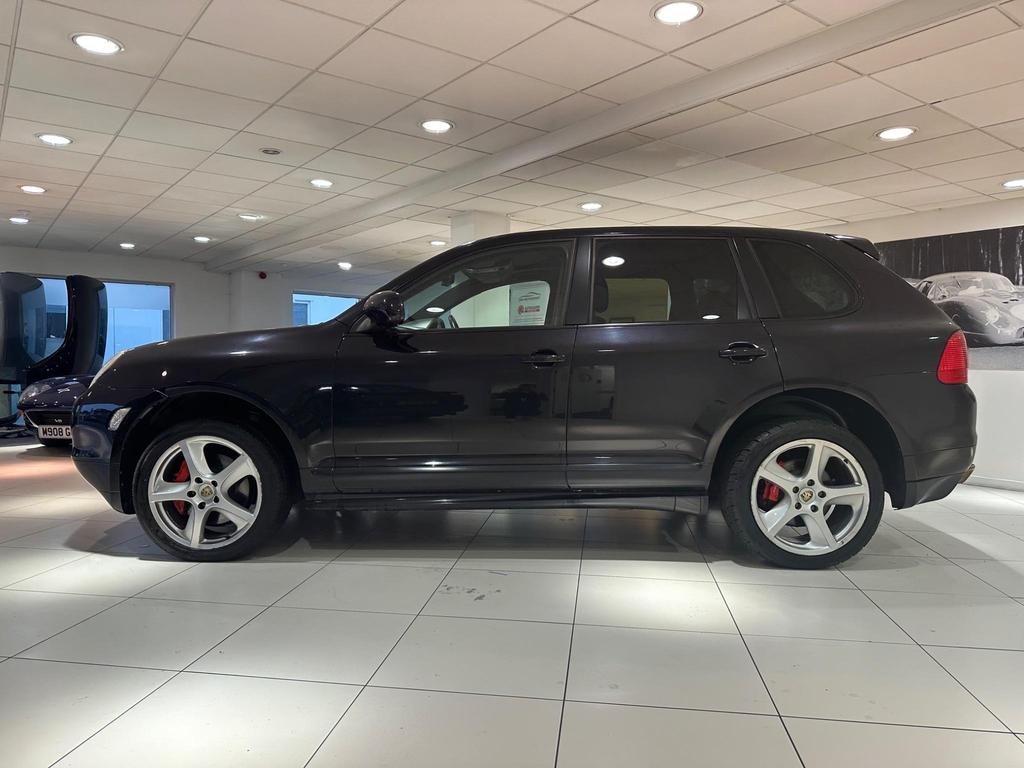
{"x":664,"y":279}
{"x":804,"y":283}
{"x":511,"y":287}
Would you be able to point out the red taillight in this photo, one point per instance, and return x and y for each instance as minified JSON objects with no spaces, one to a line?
{"x":953,"y":363}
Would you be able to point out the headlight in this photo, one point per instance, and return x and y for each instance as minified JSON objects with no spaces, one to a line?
{"x":33,"y":390}
{"x":106,"y":367}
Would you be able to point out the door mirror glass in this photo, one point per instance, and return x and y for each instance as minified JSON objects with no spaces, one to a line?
{"x":385,"y":309}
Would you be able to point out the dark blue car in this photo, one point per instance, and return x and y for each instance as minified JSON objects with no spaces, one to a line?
{"x":46,"y":406}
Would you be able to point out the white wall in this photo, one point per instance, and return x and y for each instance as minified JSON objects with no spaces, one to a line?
{"x":964,"y":218}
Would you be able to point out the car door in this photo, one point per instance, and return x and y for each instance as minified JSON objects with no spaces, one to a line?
{"x":469,"y":394}
{"x":670,"y":354}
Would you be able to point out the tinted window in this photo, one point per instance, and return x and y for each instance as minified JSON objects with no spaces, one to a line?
{"x":643,"y":280}
{"x":805,"y":284}
{"x":516,"y":286}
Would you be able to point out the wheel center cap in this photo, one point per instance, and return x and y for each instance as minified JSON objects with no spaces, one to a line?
{"x":805,"y":495}
{"x":206,"y":492}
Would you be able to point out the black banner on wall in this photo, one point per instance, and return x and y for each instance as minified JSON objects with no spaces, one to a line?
{"x":977,"y":278}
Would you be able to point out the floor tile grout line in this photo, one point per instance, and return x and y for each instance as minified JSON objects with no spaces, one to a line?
{"x":572,"y":635}
{"x":383,"y":661}
{"x":750,"y":654}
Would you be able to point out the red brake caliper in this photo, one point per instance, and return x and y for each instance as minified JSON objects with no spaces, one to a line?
{"x":770,"y":492}
{"x":181,"y":476}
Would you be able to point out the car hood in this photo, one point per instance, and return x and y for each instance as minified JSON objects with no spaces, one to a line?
{"x":56,"y":392}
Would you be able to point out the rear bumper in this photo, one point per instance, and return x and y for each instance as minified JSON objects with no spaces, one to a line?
{"x":938,"y":473}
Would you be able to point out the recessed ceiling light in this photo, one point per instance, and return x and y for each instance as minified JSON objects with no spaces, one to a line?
{"x":18,"y":219}
{"x":897,"y":133}
{"x":438,"y":243}
{"x":674,"y":14}
{"x":1014,"y":184}
{"x":613,"y":261}
{"x":270,"y":151}
{"x":201,"y":239}
{"x":344,"y":265}
{"x":322,"y":183}
{"x":32,"y":189}
{"x":54,"y":139}
{"x":591,"y":207}
{"x":97,"y":44}
{"x":711,"y":317}
{"x":127,"y":246}
{"x":251,"y":216}
{"x":435,"y":310}
{"x":437,"y":126}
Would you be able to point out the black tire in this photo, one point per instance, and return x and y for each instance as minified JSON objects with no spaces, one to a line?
{"x":277,"y":492}
{"x":747,"y":454}
{"x":51,"y":443}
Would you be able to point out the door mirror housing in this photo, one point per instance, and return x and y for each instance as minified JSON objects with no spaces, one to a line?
{"x":385,"y":309}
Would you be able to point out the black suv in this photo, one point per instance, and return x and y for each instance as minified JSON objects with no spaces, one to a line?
{"x":788,"y":376}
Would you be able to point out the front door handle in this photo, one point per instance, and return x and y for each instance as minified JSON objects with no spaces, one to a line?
{"x":742,"y":352}
{"x":543,"y":358}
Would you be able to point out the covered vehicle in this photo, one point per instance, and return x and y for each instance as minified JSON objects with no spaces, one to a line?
{"x":46,"y":406}
{"x":987,"y":306}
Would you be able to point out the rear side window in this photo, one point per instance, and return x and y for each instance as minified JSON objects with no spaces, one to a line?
{"x":805,"y":284}
{"x":649,"y":280}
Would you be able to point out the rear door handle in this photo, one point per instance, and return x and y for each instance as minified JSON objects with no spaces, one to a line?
{"x":543,"y":358}
{"x":742,"y":352}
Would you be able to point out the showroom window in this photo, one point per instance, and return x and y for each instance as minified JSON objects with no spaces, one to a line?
{"x":511,"y":287}
{"x":668,"y":279}
{"x":805,"y":285}
{"x":313,"y":308}
{"x":137,"y":313}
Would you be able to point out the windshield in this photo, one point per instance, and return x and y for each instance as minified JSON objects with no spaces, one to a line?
{"x":973,"y":284}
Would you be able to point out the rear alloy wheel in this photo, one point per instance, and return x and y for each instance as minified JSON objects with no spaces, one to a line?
{"x":806,"y":494}
{"x":210,"y":491}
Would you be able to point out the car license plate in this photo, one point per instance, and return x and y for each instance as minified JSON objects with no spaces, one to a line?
{"x":50,"y":432}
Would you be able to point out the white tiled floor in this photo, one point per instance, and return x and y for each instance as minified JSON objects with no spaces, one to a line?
{"x":494,"y":638}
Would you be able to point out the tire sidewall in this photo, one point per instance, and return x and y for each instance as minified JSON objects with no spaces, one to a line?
{"x":762,"y":443}
{"x":274,"y":488}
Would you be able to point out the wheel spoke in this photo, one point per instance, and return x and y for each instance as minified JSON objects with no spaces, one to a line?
{"x":819,"y":532}
{"x":165,"y":491}
{"x":776,"y":518}
{"x":239,"y":469}
{"x":195,"y":458}
{"x":236,"y":513}
{"x":816,"y":461}
{"x":195,"y":526}
{"x":849,"y":495}
{"x":774,"y":473}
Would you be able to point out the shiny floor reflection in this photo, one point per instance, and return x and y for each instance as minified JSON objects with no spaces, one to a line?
{"x":499,"y":638}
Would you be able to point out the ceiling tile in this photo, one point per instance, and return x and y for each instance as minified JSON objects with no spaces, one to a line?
{"x":391,"y":146}
{"x":365,"y":11}
{"x":239,"y":166}
{"x":304,"y":127}
{"x":565,"y":111}
{"x":345,"y":99}
{"x":765,"y":186}
{"x":838,"y":105}
{"x":174,"y":17}
{"x":540,"y":168}
{"x":387,"y":61}
{"x":589,"y":178}
{"x":61,"y":77}
{"x":715,"y":173}
{"x":849,"y":169}
{"x":611,"y":145}
{"x":1012,"y":133}
{"x":958,"y":146}
{"x":927,"y":197}
{"x":648,"y":190}
{"x":278,"y":30}
{"x":984,"y":64}
{"x":992,"y":185}
{"x":59,"y":110}
{"x":411,"y":174}
{"x":953,"y":34}
{"x":807,"y":150}
{"x":24,"y":131}
{"x":112,"y":166}
{"x":198,"y":105}
{"x":30,"y":173}
{"x":1010,"y":164}
{"x":231,"y":72}
{"x":170,"y":130}
{"x":929,"y":122}
{"x":834,"y":11}
{"x":574,"y":54}
{"x":302,"y":176}
{"x":450,"y":158}
{"x":996,"y":105}
{"x":744,"y":210}
{"x":644,"y":79}
{"x":219,"y":183}
{"x":788,"y":219}
{"x":634,"y":19}
{"x":502,"y":137}
{"x":688,"y":220}
{"x":358,"y":166}
{"x":532,"y":193}
{"x":699,"y":201}
{"x":696,"y":117}
{"x":761,"y":33}
{"x":735,"y":134}
{"x":790,"y":87}
{"x":484,"y":28}
{"x":182,"y":192}
{"x":492,"y":91}
{"x":46,"y":156}
{"x":465,"y":124}
{"x":889,"y":183}
{"x":250,"y":145}
{"x":654,"y":158}
{"x":812,"y":197}
{"x":159,"y":154}
{"x":48,"y":28}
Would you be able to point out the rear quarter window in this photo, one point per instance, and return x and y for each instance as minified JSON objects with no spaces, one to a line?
{"x":805,"y":284}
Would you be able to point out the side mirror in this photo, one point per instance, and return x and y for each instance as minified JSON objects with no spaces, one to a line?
{"x":385,"y":309}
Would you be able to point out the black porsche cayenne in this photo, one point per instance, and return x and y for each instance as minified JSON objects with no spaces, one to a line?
{"x":787,"y":376}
